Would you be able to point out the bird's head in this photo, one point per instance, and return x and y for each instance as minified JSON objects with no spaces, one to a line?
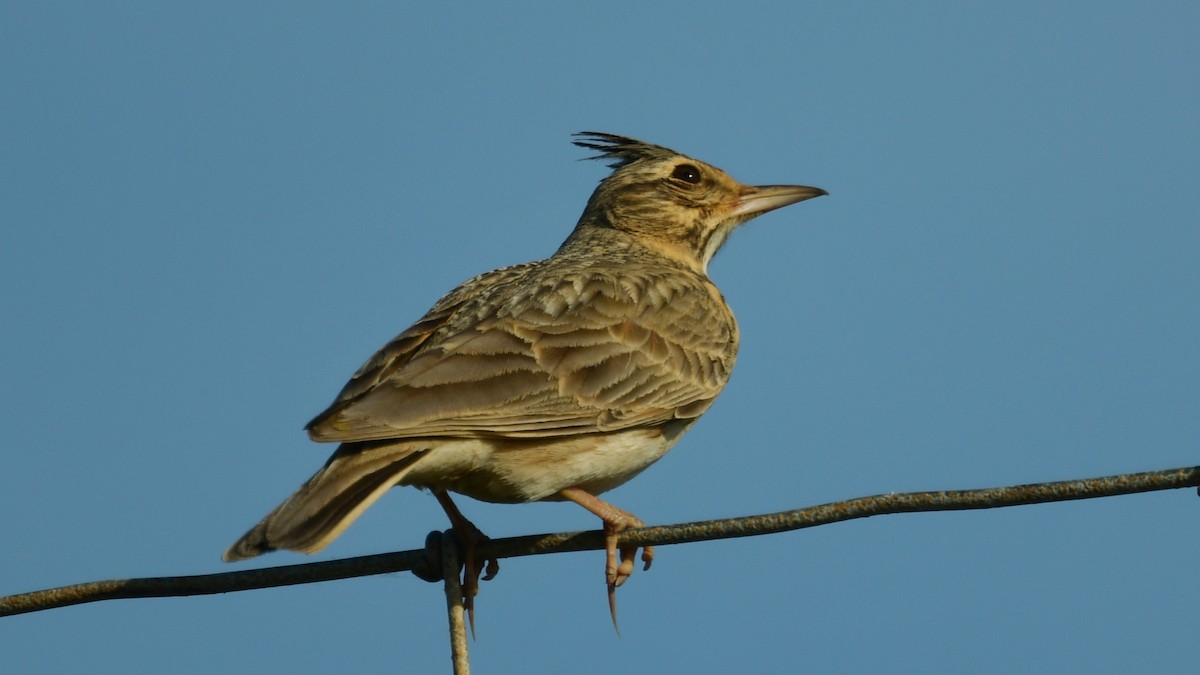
{"x":677,"y":205}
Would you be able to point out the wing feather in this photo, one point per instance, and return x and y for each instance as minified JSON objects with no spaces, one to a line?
{"x":524,"y":353}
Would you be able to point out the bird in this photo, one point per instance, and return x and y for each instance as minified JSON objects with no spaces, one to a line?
{"x":553,"y":380}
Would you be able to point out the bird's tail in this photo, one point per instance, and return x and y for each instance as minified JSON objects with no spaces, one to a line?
{"x":353,"y":478}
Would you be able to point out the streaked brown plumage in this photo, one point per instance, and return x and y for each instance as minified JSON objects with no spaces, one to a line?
{"x":556,"y":379}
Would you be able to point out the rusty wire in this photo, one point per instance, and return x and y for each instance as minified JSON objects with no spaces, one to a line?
{"x":427,"y":563}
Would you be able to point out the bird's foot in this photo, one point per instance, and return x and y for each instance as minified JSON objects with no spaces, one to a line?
{"x":470,"y":538}
{"x":617,"y":573}
{"x":618,"y":561}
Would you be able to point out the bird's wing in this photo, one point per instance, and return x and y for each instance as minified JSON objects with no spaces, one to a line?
{"x":583,"y":353}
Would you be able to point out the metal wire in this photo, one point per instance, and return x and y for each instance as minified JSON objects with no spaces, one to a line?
{"x":427,"y":563}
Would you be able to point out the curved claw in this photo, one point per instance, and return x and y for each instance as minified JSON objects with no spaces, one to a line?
{"x":617,"y":568}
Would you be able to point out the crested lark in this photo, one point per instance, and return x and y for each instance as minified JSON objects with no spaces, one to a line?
{"x":552,"y":380}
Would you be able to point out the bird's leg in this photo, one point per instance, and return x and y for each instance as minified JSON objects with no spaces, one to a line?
{"x":470,"y":537}
{"x":615,"y":521}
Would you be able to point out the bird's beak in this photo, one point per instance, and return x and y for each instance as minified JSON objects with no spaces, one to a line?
{"x":756,"y":199}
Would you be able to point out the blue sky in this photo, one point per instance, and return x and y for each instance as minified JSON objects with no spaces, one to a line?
{"x":213,"y":213}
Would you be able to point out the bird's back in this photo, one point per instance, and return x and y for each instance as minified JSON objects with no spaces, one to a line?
{"x":603,"y":336}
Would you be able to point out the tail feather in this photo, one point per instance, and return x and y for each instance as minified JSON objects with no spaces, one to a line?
{"x":330,"y":501}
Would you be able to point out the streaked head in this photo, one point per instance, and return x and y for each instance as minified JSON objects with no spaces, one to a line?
{"x":678,"y":205}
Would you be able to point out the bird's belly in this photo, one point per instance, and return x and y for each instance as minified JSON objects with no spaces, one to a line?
{"x":510,"y":471}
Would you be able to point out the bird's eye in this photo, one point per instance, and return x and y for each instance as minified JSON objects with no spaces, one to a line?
{"x":686,"y":173}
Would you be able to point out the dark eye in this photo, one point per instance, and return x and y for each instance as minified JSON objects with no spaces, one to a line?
{"x":686,"y":173}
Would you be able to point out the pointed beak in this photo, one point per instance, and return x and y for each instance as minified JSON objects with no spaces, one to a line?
{"x":757,"y":199}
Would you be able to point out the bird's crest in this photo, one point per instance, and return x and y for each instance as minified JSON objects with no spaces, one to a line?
{"x":621,"y":150}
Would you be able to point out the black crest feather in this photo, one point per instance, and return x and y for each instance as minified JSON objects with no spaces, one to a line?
{"x":621,"y":150}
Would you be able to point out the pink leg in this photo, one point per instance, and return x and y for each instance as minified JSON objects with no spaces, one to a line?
{"x":615,"y":521}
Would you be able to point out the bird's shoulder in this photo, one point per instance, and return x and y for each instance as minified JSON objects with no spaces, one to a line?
{"x":452,"y":313}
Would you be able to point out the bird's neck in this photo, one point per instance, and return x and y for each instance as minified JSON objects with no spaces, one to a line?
{"x":596,"y":239}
